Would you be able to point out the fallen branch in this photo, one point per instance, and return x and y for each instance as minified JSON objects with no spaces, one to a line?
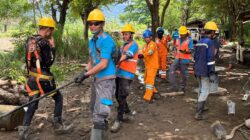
{"x":238,"y":74}
{"x":74,"y":109}
{"x":172,"y":94}
{"x":44,"y":115}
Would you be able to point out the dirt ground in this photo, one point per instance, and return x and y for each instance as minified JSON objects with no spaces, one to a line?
{"x":170,"y":118}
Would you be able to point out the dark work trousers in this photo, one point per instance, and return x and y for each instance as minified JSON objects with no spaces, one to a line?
{"x":121,"y":94}
{"x":183,"y":67}
{"x":47,"y":87}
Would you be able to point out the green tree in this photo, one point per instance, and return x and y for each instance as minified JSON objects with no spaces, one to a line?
{"x":141,"y":11}
{"x":225,"y":12}
{"x":173,"y":16}
{"x":136,"y":11}
{"x":12,"y":9}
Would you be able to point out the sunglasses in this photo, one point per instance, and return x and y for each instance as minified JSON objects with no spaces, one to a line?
{"x":94,"y":23}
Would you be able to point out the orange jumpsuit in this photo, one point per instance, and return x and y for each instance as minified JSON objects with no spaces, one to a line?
{"x":151,"y":61}
{"x":162,"y":45}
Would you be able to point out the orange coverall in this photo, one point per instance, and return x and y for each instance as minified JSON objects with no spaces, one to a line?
{"x":162,"y":52}
{"x":151,"y":61}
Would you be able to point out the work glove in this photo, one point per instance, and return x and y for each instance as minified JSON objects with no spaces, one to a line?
{"x":81,"y":77}
{"x":140,"y":56}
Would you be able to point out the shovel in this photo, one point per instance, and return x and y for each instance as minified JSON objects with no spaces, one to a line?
{"x":12,"y":116}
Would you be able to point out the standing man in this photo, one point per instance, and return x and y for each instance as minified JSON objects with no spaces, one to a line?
{"x":175,"y":36}
{"x":40,"y":55}
{"x":125,"y":75}
{"x":182,"y":60}
{"x":204,"y":66}
{"x":191,"y":41}
{"x":162,"y":45}
{"x":214,"y":78}
{"x":150,"y":55}
{"x":102,"y":68}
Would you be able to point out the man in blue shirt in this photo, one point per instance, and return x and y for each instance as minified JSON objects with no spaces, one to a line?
{"x":175,"y":35}
{"x":125,"y":74}
{"x":204,"y":66}
{"x":102,"y":68}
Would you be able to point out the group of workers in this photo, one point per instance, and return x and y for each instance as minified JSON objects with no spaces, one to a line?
{"x":110,"y":78}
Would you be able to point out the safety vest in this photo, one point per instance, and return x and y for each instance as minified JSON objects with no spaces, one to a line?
{"x":129,"y":64}
{"x":183,"y":46}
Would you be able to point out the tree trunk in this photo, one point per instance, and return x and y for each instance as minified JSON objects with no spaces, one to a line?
{"x":85,"y":30}
{"x":4,"y":27}
{"x":154,"y":11}
{"x":53,"y":12}
{"x":63,"y":11}
{"x":84,"y":16}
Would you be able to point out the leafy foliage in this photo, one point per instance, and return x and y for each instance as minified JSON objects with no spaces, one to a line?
{"x":136,"y":11}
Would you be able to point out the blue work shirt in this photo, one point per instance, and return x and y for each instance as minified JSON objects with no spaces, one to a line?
{"x":122,"y":73}
{"x":204,"y":57}
{"x":175,"y":35}
{"x":105,"y":47}
{"x":191,"y":43}
{"x":190,"y":48}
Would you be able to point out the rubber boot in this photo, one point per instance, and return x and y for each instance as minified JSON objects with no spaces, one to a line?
{"x":98,"y":134}
{"x":206,"y":108}
{"x":23,"y":132}
{"x":115,"y":127}
{"x":60,"y":128}
{"x":156,"y":96}
{"x":199,"y":111}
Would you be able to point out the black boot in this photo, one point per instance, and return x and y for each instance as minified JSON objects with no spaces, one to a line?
{"x":60,"y":128}
{"x":156,"y":96}
{"x":199,"y":111}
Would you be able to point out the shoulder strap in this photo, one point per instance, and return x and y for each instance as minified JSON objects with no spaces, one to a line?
{"x":95,"y":38}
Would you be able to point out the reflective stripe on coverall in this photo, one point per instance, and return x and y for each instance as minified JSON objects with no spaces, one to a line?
{"x":151,"y":61}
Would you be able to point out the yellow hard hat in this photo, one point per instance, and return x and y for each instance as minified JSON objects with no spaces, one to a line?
{"x":183,"y":30}
{"x":128,"y":28}
{"x":96,"y":15}
{"x":47,"y":22}
{"x":210,"y":25}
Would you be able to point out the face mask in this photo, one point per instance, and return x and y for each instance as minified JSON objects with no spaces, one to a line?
{"x":95,"y":32}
